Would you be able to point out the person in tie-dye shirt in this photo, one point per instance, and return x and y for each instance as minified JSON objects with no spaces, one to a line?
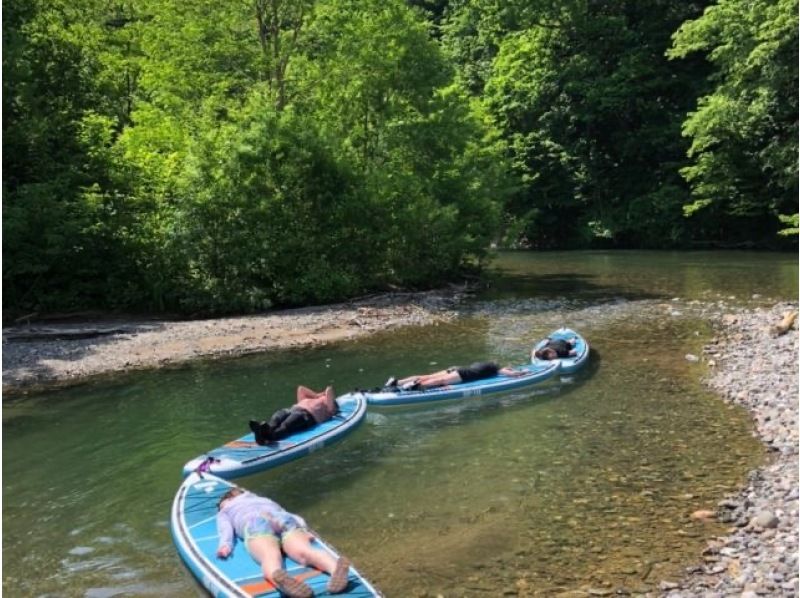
{"x":268,"y":531}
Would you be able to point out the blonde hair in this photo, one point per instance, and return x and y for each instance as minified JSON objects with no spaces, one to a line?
{"x":232,"y":493}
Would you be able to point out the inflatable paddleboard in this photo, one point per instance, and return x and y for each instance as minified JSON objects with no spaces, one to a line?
{"x":243,"y":456}
{"x":534,"y":373}
{"x":568,"y":364}
{"x":194,"y":530}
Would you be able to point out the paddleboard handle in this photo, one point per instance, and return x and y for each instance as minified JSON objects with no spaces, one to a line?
{"x":205,"y":465}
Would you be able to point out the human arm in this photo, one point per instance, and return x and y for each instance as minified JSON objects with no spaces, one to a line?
{"x":329,"y":397}
{"x":509,"y":371}
{"x":225,"y":532}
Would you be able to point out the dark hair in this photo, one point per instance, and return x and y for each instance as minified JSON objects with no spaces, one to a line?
{"x":229,"y":494}
{"x":546,"y":353}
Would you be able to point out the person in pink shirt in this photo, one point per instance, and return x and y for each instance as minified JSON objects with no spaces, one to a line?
{"x":311,"y":408}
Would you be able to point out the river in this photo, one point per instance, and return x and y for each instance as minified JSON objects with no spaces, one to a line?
{"x":580,"y":483}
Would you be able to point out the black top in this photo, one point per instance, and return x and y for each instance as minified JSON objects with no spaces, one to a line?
{"x":561,"y":347}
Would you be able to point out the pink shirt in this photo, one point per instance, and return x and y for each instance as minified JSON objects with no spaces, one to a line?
{"x":322,"y":408}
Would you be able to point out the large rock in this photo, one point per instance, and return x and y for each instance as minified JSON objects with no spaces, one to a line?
{"x":765,"y":519}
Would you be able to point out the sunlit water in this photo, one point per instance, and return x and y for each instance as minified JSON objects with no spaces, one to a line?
{"x":586,"y":482}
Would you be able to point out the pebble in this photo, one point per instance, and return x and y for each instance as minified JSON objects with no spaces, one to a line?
{"x":765,"y":519}
{"x":762,"y":547}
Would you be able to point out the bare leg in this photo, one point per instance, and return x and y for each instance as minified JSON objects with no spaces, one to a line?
{"x":329,"y":393}
{"x":297,"y":545}
{"x":442,"y":378}
{"x":408,"y":379}
{"x":267,"y":552}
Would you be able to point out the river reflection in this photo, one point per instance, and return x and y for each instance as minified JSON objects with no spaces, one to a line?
{"x":581,"y":483}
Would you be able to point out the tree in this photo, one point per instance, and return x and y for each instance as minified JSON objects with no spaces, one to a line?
{"x":591,"y":111}
{"x":58,"y":124}
{"x":744,"y":133}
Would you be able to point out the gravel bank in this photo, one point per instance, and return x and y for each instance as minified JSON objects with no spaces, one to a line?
{"x":758,"y":370}
{"x":39,"y":356}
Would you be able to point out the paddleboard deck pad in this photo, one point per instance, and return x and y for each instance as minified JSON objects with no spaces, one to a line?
{"x":243,"y":456}
{"x":194,"y":530}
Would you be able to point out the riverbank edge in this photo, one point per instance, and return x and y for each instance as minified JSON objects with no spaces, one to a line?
{"x":39,"y":357}
{"x":757,"y":557}
{"x":754,"y":366}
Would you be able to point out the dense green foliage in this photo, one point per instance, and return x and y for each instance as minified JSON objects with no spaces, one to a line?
{"x":744,"y":132}
{"x":231,"y":155}
{"x":592,"y":109}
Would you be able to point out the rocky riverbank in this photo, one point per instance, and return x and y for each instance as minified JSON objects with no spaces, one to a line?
{"x":41,"y":355}
{"x":756,"y":368}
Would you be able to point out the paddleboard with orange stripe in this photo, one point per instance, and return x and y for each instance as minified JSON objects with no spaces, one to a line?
{"x":194,"y":530}
{"x":242,"y":456}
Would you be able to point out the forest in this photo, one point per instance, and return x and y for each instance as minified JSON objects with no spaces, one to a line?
{"x":229,"y":156}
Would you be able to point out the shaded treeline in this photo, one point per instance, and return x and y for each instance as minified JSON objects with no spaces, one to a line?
{"x":226,"y":156}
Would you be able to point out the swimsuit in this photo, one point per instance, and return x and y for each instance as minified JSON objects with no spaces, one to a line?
{"x":477,"y":371}
{"x":249,"y":516}
{"x":278,"y":528}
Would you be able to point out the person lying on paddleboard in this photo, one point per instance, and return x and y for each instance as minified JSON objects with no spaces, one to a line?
{"x":452,"y":375}
{"x":312,"y":408}
{"x":556,"y":348}
{"x":268,"y":531}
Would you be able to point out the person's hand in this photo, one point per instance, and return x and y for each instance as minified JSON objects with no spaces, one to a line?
{"x":223,"y":552}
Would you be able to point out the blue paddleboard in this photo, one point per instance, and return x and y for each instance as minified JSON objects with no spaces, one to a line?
{"x":243,"y":456}
{"x":194,"y":530}
{"x":568,"y":364}
{"x":534,"y":373}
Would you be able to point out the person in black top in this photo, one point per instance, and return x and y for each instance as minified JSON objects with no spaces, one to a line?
{"x":556,"y":349}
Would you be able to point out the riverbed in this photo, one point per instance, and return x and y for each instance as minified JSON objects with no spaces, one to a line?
{"x":630,"y":477}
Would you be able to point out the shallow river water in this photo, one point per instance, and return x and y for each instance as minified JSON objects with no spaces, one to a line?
{"x":581,"y":483}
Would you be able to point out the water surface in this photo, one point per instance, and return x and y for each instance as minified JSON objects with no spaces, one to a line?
{"x":580,"y":483}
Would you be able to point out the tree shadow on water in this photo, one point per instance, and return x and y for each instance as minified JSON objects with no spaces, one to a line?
{"x":562,"y":284}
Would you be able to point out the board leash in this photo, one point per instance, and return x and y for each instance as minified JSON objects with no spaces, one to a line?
{"x":205,"y":465}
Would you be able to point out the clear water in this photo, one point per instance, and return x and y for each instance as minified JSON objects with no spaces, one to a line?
{"x":581,"y":483}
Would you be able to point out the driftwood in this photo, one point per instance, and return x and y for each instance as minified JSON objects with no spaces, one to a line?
{"x":786,"y":324}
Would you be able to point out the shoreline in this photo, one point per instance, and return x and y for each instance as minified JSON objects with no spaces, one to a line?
{"x":753,"y":368}
{"x":748,"y":366}
{"x":47,"y":356}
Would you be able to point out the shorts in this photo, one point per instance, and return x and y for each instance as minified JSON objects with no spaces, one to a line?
{"x":478,"y":371}
{"x":275,"y":528}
